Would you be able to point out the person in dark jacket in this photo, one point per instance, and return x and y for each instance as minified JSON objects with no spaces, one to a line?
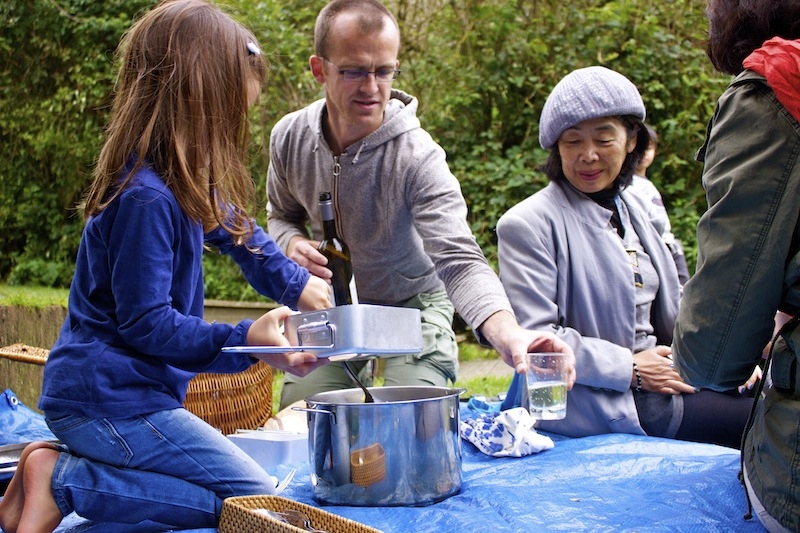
{"x":748,"y":265}
{"x":171,"y":179}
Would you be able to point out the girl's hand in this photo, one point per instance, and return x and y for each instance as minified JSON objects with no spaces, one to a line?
{"x":658,"y":372}
{"x":316,"y":295}
{"x":266,"y":332}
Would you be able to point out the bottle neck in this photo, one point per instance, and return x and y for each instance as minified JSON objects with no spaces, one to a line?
{"x":328,"y":220}
{"x":329,"y":229}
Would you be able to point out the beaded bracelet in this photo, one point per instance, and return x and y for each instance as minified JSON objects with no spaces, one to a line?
{"x":638,"y":377}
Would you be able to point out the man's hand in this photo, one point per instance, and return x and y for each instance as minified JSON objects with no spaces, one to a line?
{"x":304,"y":252}
{"x":513,"y":342}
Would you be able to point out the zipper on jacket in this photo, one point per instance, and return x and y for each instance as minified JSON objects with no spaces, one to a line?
{"x":337,"y":169}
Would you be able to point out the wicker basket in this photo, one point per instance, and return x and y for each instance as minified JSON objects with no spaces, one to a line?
{"x":25,"y":354}
{"x":21,"y":370}
{"x":226,"y":401}
{"x":368,"y":465}
{"x":240,"y":515}
{"x":232,"y":401}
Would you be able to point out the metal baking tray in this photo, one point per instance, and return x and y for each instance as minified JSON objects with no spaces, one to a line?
{"x":349,"y":332}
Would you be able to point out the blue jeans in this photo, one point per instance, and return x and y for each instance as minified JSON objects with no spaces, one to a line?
{"x":168,"y":467}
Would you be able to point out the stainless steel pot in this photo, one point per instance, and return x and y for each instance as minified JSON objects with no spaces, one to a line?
{"x":404,"y":449}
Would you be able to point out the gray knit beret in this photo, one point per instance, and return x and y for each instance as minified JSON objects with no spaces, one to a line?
{"x":584,"y":94}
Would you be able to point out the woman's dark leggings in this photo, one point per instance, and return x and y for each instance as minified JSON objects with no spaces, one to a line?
{"x":715,"y":417}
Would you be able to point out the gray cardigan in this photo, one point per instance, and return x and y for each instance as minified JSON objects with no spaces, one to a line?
{"x":565,"y":270}
{"x":398,"y":207}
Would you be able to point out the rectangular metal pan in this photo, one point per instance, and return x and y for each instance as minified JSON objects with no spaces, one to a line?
{"x":349,"y":332}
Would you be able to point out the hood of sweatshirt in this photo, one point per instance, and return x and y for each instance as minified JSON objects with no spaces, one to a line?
{"x":400,"y":116}
{"x":398,"y":207}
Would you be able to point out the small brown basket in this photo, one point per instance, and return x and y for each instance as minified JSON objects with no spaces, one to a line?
{"x":22,"y":368}
{"x":232,"y":401}
{"x":226,"y":401}
{"x":368,"y":465}
{"x":25,"y":354}
{"x":240,"y":515}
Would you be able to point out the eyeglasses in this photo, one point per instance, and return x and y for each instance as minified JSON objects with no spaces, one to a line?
{"x":382,"y":75}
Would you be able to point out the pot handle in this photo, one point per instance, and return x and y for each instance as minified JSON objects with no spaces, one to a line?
{"x":310,"y":410}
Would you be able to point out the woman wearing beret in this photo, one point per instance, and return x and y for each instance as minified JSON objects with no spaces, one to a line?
{"x":582,"y":259}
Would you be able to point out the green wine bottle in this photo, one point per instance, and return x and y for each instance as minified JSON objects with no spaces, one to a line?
{"x":337,"y":252}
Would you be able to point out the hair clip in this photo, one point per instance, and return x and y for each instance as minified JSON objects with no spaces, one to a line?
{"x":253,"y":49}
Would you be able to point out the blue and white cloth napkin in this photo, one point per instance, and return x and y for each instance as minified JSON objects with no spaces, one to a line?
{"x":507,"y":433}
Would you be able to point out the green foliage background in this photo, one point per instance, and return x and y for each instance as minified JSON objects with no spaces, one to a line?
{"x":481,"y":69}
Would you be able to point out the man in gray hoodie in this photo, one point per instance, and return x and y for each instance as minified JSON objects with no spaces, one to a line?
{"x":398,"y":206}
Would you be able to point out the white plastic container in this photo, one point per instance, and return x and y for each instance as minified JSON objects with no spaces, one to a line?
{"x":269,"y":447}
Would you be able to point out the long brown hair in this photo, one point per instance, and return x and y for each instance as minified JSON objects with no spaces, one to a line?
{"x":181,"y":108}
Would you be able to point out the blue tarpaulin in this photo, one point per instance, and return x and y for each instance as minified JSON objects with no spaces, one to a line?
{"x":19,"y":423}
{"x":608,"y":483}
{"x":605,"y":483}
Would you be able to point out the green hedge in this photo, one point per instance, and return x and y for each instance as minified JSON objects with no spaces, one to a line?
{"x":482,"y":71}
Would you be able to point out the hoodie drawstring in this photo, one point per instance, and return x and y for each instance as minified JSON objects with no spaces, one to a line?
{"x":358,"y":153}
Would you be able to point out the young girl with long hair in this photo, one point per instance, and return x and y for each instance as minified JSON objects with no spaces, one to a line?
{"x":171,"y":179}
